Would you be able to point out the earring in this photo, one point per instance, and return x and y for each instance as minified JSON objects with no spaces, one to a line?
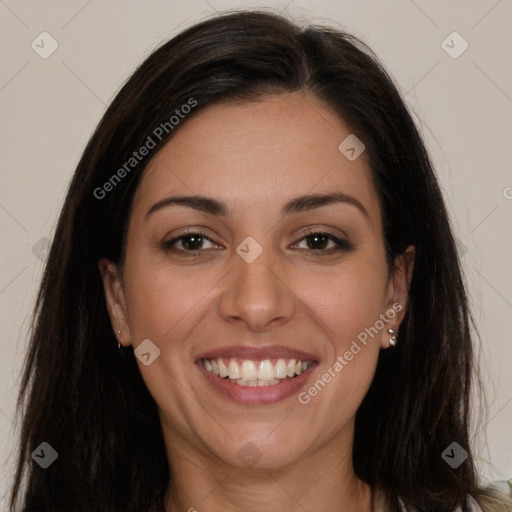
{"x":118,"y":336}
{"x":393,"y":339}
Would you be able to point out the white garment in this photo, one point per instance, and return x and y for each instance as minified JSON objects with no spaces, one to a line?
{"x":473,"y":506}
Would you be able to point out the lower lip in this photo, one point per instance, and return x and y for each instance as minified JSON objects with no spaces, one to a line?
{"x":257,"y":395}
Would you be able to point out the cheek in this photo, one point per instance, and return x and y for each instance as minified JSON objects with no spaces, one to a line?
{"x":160,"y":299}
{"x":348,"y":304}
{"x":166,"y":306}
{"x":346,"y":300}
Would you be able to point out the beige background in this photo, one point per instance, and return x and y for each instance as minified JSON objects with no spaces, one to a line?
{"x":49,"y":108}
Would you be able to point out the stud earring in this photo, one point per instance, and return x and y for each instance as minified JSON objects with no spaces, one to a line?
{"x":393,"y":339}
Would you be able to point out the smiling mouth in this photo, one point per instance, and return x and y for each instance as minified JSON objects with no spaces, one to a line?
{"x":256,"y":373}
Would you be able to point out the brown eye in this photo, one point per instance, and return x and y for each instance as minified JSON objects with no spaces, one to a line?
{"x":192,"y":243}
{"x":318,"y":243}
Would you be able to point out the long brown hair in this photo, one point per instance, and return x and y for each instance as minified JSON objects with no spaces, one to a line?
{"x":90,"y":403}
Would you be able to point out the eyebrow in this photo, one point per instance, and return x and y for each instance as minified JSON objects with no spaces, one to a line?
{"x":298,"y":204}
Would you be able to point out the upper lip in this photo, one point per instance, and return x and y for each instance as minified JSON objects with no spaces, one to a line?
{"x":257,"y":353}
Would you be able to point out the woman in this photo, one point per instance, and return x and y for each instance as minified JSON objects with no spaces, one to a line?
{"x":253,"y":298}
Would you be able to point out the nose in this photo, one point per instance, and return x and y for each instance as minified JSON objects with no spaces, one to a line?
{"x":255,"y":295}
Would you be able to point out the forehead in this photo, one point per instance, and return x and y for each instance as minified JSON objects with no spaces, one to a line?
{"x":250,"y":154}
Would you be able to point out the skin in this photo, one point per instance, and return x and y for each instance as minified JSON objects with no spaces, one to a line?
{"x":254,"y":157}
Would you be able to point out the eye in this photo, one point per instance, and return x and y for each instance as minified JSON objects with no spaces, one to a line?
{"x":188,"y":244}
{"x":318,"y":243}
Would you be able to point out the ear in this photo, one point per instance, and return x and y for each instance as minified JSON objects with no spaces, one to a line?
{"x":397,"y":293}
{"x":115,"y":299}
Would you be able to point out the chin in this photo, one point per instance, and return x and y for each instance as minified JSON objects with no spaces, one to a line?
{"x":262,"y":455}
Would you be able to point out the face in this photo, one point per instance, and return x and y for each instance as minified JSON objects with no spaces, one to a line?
{"x":275,"y":276}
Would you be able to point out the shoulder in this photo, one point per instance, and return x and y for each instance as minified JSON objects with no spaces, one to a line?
{"x":490,"y":499}
{"x":495,"y":499}
{"x":473,"y":506}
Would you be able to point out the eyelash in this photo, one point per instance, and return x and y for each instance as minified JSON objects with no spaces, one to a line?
{"x":342,"y":245}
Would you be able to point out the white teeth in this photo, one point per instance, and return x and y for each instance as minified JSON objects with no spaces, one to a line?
{"x":249,"y":371}
{"x":233,"y":370}
{"x":291,"y":368}
{"x":272,"y":382}
{"x":281,"y":369}
{"x":223,"y":371}
{"x":266,"y":370}
{"x":256,"y":373}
